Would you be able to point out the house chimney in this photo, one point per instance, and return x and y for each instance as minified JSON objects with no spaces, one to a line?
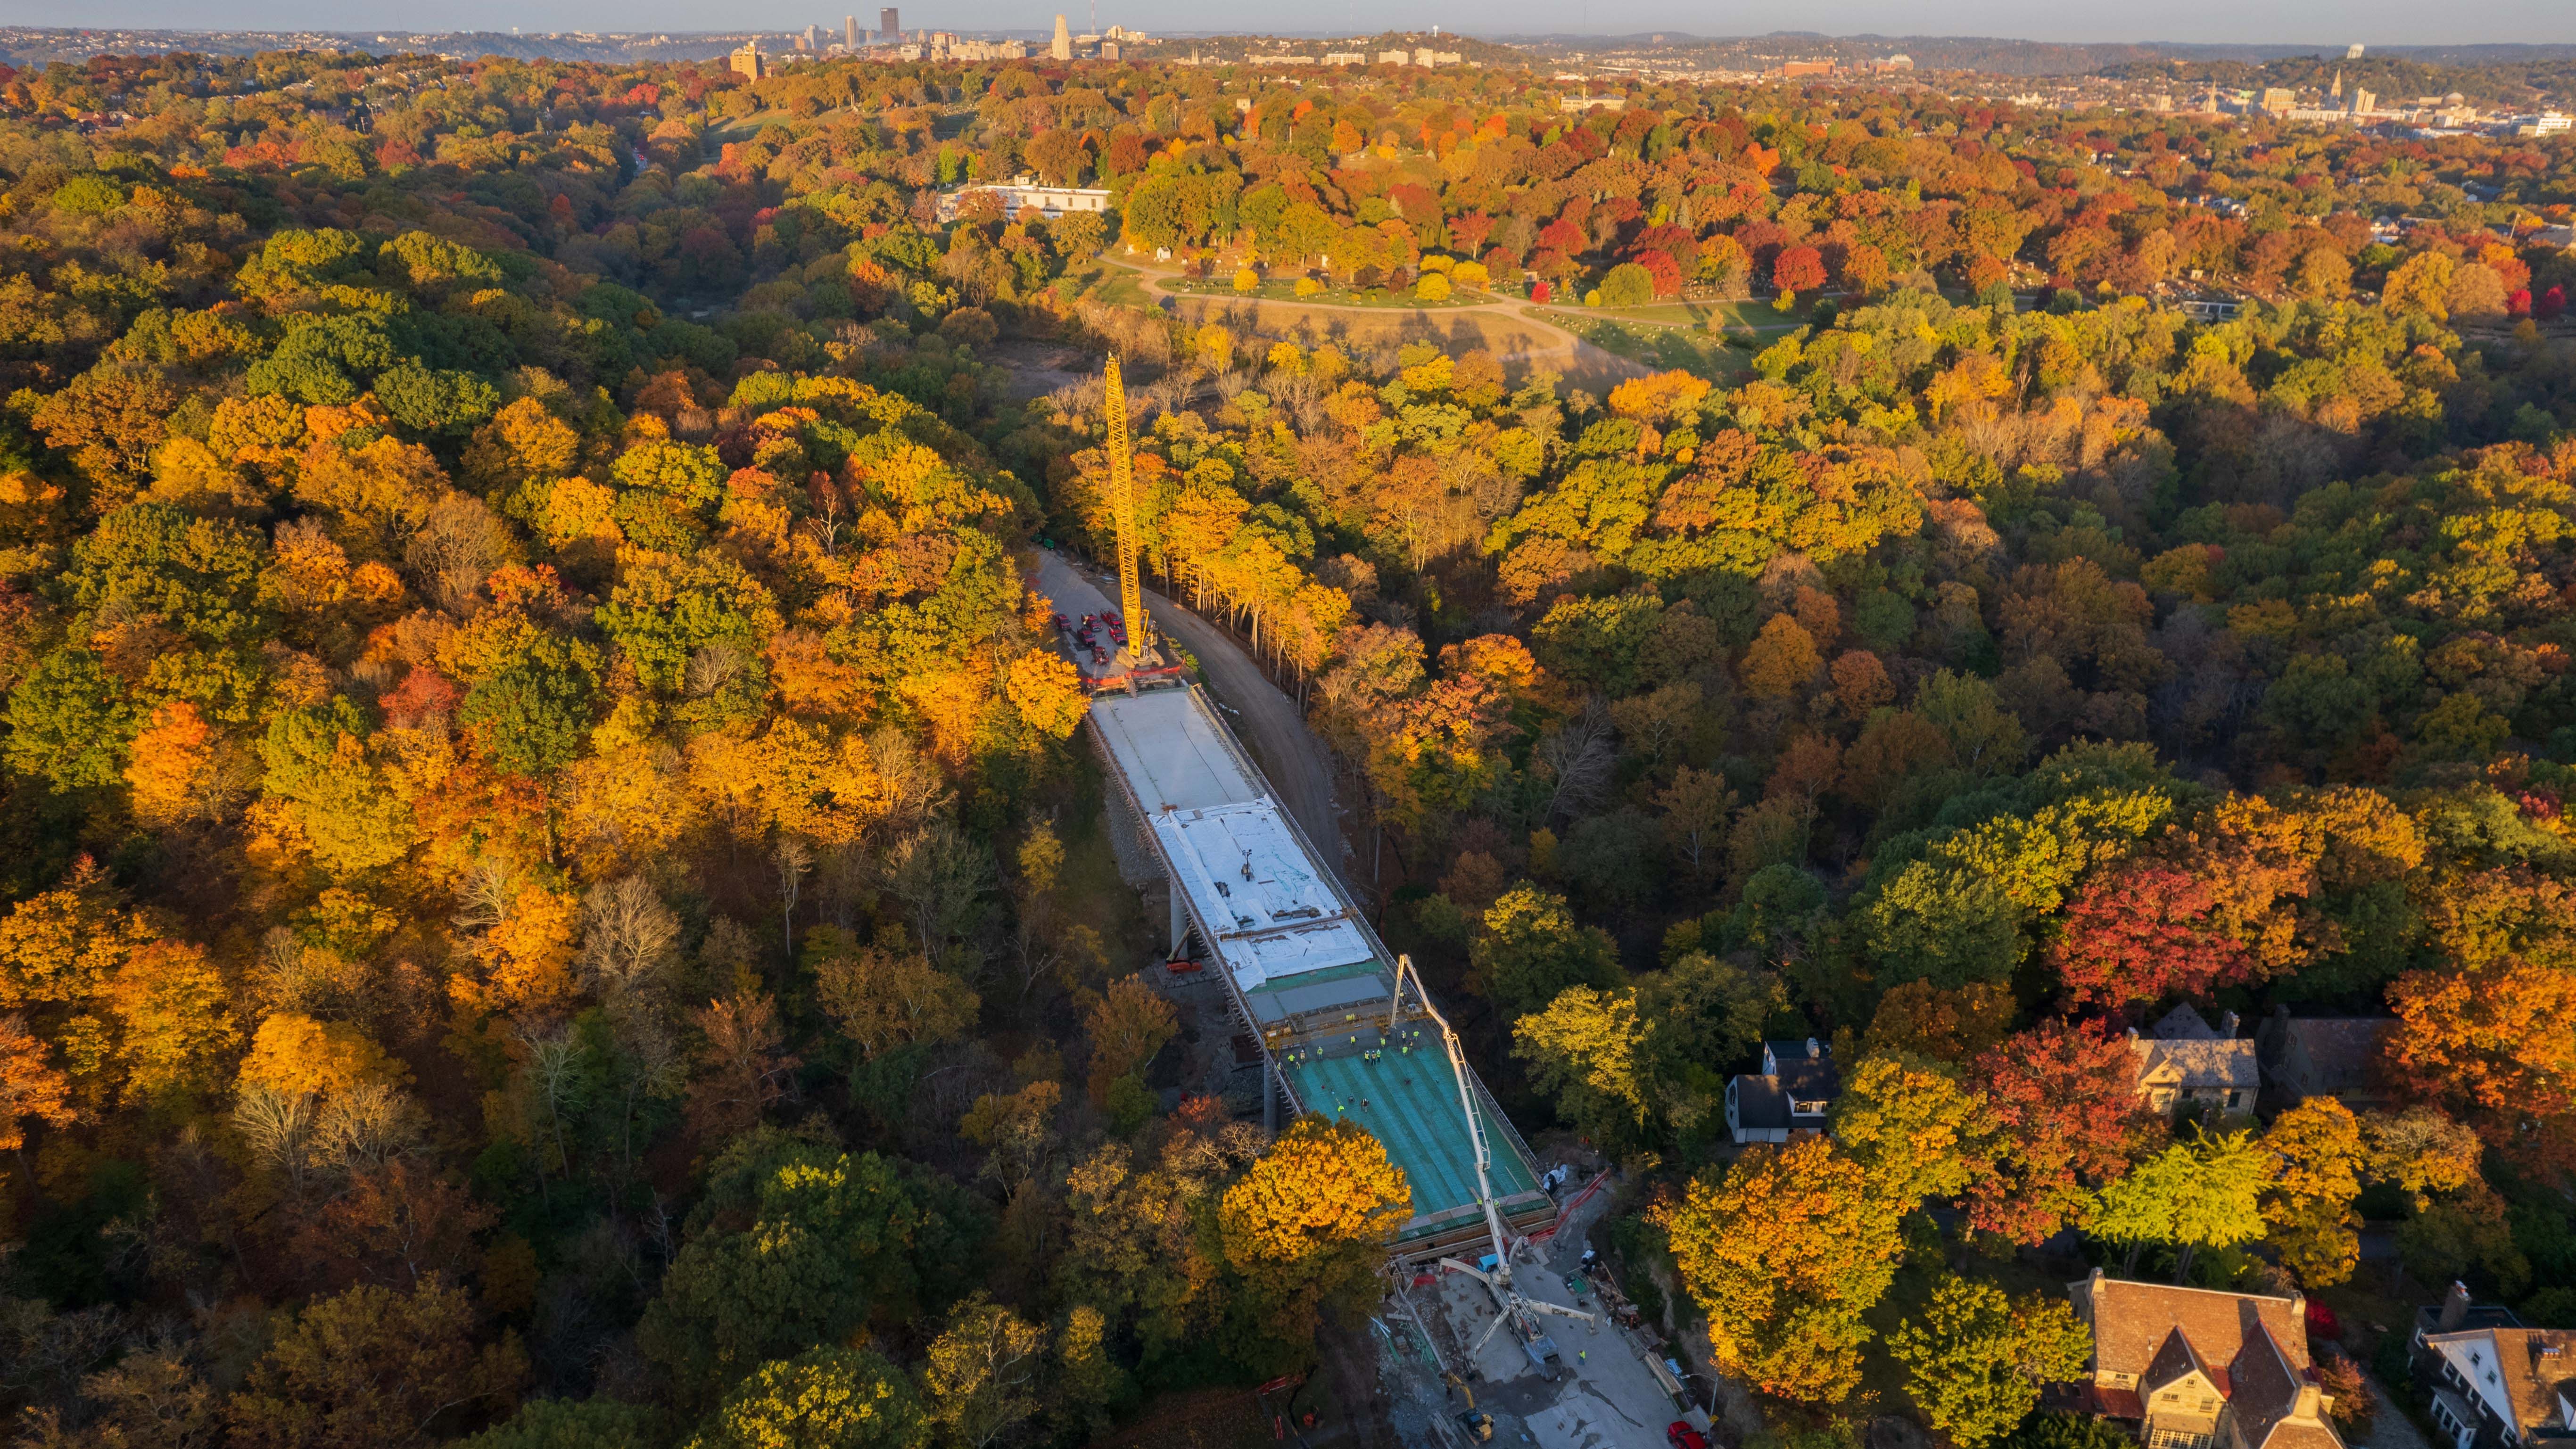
{"x":2227,"y":1026}
{"x":2455,"y":1307}
{"x":1815,"y":1049}
{"x":2133,"y":1033}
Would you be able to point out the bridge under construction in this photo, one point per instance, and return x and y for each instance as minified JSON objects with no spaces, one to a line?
{"x":1304,"y":974}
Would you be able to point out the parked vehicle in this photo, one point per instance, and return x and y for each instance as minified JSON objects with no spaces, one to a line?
{"x":1682,"y":1436}
{"x":1062,"y":624}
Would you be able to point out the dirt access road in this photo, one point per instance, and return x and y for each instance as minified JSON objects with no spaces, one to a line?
{"x":1521,"y":343}
{"x":1266,"y":720}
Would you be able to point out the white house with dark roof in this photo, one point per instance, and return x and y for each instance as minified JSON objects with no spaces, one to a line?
{"x":2493,"y":1383}
{"x":1797,"y":1086}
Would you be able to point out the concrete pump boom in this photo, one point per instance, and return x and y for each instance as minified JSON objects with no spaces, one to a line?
{"x":1466,"y":1104}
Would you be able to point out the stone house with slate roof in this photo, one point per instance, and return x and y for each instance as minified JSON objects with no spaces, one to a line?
{"x":2187,"y":1068}
{"x":2193,"y":1368}
{"x":2323,"y":1056}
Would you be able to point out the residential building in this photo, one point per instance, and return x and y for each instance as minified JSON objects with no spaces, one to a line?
{"x":1579,"y":104}
{"x":1797,"y":1086}
{"x":2185,"y":1067}
{"x":2321,"y":1056}
{"x":1024,"y":192}
{"x":1793,"y":69}
{"x":2493,"y":1383}
{"x":889,"y":24}
{"x":1394,"y":57}
{"x":2194,"y":1368}
{"x":749,"y":63}
{"x":1345,"y":57}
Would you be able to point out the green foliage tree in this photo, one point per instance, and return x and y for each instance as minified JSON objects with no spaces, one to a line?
{"x":1533,"y":949}
{"x":825,"y":1398}
{"x":1976,"y":1361}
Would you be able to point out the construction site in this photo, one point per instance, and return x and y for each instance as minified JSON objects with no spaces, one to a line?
{"x":1489,"y":1291}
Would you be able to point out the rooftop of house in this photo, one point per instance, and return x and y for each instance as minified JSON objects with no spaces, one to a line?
{"x":1803,"y":1069}
{"x":2338,"y":1049}
{"x":2251,"y":1347}
{"x":2530,"y":1371}
{"x":2184,"y":1050}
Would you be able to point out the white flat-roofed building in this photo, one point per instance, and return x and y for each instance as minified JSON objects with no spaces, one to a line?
{"x":1025,"y":192}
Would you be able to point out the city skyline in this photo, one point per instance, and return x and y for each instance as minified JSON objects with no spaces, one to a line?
{"x":2376,"y":22}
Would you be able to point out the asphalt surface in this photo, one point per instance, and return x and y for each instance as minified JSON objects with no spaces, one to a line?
{"x":1267,"y":721}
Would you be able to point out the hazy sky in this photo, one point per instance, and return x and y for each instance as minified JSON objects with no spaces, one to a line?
{"x":2320,"y":22}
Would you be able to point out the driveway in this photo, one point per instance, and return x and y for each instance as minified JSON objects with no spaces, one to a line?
{"x":1267,"y":721}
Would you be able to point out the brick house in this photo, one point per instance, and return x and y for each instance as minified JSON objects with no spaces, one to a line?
{"x":2192,"y":1368}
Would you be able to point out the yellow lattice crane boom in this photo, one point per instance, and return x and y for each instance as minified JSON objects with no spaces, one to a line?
{"x":1122,"y":507}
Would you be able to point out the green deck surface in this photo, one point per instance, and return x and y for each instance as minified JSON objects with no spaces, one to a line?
{"x":1410,"y":1103}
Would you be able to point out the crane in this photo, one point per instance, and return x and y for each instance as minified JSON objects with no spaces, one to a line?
{"x":1122,"y":508}
{"x":1510,"y":1304}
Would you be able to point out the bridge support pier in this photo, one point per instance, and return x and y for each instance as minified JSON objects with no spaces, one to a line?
{"x":1180,"y":922}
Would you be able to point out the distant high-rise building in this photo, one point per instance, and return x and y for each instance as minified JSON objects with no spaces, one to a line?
{"x":849,"y":32}
{"x":1062,"y":49}
{"x":2363,"y":102}
{"x":2352,"y":52}
{"x":811,"y":36}
{"x":888,"y":26}
{"x":749,"y":63}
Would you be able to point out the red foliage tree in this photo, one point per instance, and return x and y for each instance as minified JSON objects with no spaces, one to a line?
{"x":2140,"y":931}
{"x":2063,"y":1101}
{"x":1666,"y":272}
{"x":1798,"y":269}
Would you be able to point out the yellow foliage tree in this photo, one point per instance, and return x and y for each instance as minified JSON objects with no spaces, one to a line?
{"x":182,"y":770}
{"x":62,"y":946}
{"x":1322,"y":1188}
{"x":172,"y":1004}
{"x":294,"y":1055}
{"x":1782,"y":659}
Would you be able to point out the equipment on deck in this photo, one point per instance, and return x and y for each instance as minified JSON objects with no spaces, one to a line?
{"x":1511,"y":1305}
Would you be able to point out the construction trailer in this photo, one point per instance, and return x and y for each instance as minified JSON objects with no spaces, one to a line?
{"x":1304,"y":974}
